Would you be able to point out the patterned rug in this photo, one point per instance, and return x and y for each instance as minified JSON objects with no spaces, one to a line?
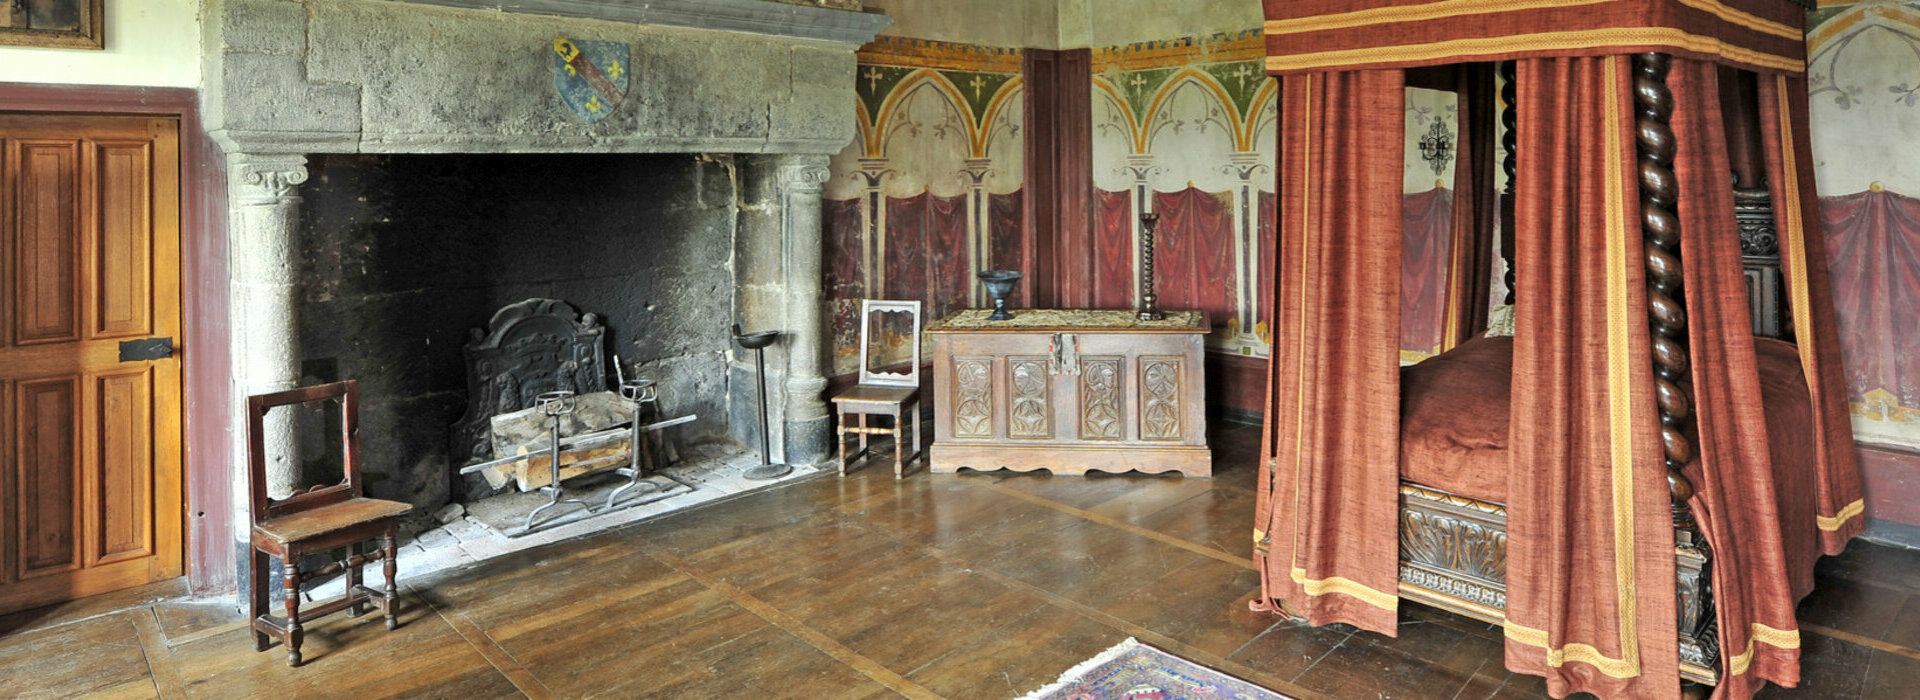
{"x":1135,"y":671}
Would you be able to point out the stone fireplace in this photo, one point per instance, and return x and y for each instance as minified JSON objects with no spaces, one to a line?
{"x":332,"y":112}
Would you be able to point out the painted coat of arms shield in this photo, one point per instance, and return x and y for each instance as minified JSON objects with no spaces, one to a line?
{"x":591,"y":76}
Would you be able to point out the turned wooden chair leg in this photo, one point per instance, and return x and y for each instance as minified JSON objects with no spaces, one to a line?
{"x":257,"y":597}
{"x":389,"y":546}
{"x":290,"y":583}
{"x":917,"y":429}
{"x":841,"y":444}
{"x":863,"y":436}
{"x":899,"y":446}
{"x":353,"y":580}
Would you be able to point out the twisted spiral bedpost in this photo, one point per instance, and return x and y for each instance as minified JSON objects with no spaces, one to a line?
{"x":1667,"y":319}
{"x":1660,"y":225}
{"x":1510,"y":163}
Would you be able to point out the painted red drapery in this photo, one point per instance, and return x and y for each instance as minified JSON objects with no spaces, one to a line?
{"x":1193,"y":253}
{"x":1005,"y":248}
{"x":1874,"y":238}
{"x":1425,"y":261}
{"x":1113,"y":250}
{"x":845,"y":285}
{"x":926,"y":258}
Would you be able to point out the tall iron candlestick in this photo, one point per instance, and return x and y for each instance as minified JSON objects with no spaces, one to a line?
{"x":1149,"y":302}
{"x":758,"y":342}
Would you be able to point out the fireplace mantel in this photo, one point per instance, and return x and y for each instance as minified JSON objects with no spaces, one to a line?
{"x":477,"y":76}
{"x":768,"y":85}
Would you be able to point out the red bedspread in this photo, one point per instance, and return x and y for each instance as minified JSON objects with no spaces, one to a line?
{"x":1453,"y":433}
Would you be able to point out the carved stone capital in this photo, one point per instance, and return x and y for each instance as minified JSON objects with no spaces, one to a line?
{"x":266,"y":179}
{"x":803,"y":178}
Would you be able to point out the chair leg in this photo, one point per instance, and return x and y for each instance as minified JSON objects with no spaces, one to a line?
{"x":899,"y":446}
{"x":290,"y":583}
{"x":917,"y":429}
{"x":353,"y":581}
{"x":841,"y":444}
{"x":257,"y":597}
{"x":389,"y":546}
{"x":863,"y":436}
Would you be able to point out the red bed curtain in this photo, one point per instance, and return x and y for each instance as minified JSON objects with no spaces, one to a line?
{"x":1789,"y":156}
{"x":1475,"y":203}
{"x":1590,"y":547}
{"x":1734,"y":498}
{"x":1326,"y":527}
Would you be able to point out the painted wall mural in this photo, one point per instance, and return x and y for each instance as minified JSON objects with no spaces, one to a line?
{"x":930,"y":191}
{"x":1864,"y":85}
{"x":1186,"y":128}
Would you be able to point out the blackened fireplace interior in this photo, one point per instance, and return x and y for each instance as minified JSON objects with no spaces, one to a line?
{"x":400,"y":255}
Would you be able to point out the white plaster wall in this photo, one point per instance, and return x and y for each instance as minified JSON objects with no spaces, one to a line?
{"x":1424,"y":108}
{"x":150,"y":43}
{"x":1865,"y":114}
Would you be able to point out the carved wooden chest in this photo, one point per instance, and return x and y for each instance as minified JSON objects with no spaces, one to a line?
{"x":1070,"y":391}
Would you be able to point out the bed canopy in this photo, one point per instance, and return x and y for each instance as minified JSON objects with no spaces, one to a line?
{"x":1637,"y":426}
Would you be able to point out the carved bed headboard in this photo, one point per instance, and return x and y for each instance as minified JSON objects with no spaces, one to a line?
{"x":528,"y":348}
{"x":1760,"y":256}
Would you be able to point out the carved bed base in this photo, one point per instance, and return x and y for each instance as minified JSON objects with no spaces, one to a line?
{"x":1453,"y":556}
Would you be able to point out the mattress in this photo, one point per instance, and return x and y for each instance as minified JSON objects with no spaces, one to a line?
{"x":1454,"y":409}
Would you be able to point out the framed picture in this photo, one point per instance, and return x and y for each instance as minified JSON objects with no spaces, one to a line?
{"x":67,"y":24}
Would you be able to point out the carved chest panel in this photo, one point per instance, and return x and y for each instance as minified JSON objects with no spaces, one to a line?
{"x":1070,"y":391}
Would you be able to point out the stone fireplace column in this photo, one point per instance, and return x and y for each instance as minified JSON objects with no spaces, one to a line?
{"x":800,"y":180}
{"x":264,"y":215}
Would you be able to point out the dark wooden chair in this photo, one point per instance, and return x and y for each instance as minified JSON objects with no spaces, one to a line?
{"x":320,"y":519}
{"x":883,"y":393}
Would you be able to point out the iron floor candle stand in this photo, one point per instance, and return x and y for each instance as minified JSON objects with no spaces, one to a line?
{"x":641,"y":392}
{"x":758,"y":342}
{"x":554,"y":404}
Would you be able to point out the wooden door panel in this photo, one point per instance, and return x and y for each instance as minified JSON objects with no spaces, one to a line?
{"x":90,"y":492}
{"x":122,"y":243}
{"x":47,"y":474}
{"x":46,"y":176}
{"x":121,"y":474}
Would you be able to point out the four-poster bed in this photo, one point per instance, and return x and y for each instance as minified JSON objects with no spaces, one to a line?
{"x":1633,"y":486}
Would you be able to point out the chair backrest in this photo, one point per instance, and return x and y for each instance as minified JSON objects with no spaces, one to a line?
{"x":264,"y":508}
{"x":872,"y":310}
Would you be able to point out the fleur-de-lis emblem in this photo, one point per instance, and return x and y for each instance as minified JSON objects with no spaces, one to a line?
{"x":594,"y":105}
{"x":615,"y":70}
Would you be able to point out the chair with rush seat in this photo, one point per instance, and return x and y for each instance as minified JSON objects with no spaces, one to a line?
{"x":320,"y":519}
{"x":888,"y":393}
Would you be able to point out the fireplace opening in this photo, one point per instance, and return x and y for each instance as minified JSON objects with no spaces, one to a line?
{"x":399,"y":257}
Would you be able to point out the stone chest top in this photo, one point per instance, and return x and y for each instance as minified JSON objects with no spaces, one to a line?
{"x":1070,"y":320}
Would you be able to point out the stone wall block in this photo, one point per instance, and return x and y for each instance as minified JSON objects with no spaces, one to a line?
{"x":261,"y":26}
{"x":676,"y":66}
{"x":814,"y":115}
{"x":266,"y":92}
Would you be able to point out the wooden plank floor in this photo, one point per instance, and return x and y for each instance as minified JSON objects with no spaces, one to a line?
{"x":961,"y":586}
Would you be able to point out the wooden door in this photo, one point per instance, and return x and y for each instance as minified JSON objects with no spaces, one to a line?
{"x":90,"y":492}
